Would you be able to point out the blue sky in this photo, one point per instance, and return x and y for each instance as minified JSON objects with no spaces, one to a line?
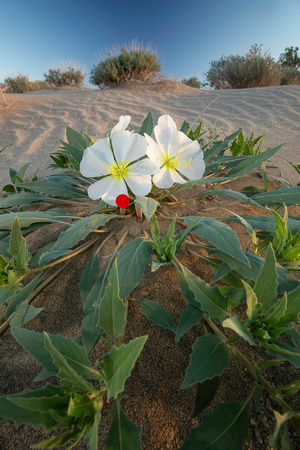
{"x":35,"y":35}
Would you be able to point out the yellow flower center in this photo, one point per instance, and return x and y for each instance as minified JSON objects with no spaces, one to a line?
{"x":176,"y":161}
{"x":119,"y":170}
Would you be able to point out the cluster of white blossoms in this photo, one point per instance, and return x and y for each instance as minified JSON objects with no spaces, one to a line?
{"x":127,"y":159}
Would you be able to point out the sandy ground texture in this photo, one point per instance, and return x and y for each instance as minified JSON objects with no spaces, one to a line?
{"x":36,"y":121}
{"x":154,"y":400}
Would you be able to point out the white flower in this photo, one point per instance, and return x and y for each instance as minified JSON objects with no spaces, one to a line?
{"x":99,"y":160}
{"x":174,"y":152}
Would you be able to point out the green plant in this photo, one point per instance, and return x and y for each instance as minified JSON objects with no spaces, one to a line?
{"x":242,"y":146}
{"x":68,"y":77}
{"x":290,"y":57}
{"x":21,"y":83}
{"x":75,"y":405}
{"x":130,"y":63}
{"x":255,"y":69}
{"x":192,"y":82}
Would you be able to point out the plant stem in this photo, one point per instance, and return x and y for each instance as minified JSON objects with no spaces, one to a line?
{"x":64,"y":258}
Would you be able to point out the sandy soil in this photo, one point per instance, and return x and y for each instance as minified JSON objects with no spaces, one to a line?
{"x":36,"y":121}
{"x":155,"y":403}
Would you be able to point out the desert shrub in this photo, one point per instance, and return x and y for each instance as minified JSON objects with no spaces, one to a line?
{"x":132,"y":63}
{"x":192,"y":82}
{"x":289,"y":75}
{"x":21,"y":83}
{"x":69,"y":77}
{"x":290,"y":58}
{"x":254,"y":69}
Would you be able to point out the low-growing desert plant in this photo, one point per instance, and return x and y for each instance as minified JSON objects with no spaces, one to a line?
{"x":143,"y":171}
{"x":254,"y":69}
{"x":21,"y":83}
{"x":290,"y":57}
{"x":192,"y":82}
{"x":69,"y":77}
{"x":132,"y":62}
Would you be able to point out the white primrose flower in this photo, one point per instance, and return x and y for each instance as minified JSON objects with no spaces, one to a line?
{"x":117,"y":166}
{"x":175,"y":154}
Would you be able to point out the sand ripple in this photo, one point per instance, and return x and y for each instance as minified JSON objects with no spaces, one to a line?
{"x":36,"y":121}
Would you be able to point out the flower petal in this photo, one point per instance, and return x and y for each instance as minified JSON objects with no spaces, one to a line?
{"x":122,"y":124}
{"x":163,"y":131}
{"x":140,"y":185}
{"x":137,"y":148}
{"x":166,"y":121}
{"x":108,"y":188}
{"x":96,"y":158}
{"x":166,"y":178}
{"x":195,"y":169}
{"x":154,"y":152}
{"x":144,"y":167}
{"x":121,"y":141}
{"x":163,"y":137}
{"x":179,"y":142}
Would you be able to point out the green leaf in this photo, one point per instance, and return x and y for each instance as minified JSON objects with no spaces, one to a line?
{"x":59,"y":441}
{"x":18,"y":247}
{"x":89,"y":330}
{"x":79,"y":230}
{"x":286,"y":195}
{"x":157,"y":313}
{"x":73,"y":152}
{"x":112,"y":311}
{"x":28,"y":218}
{"x":266,"y":283}
{"x":290,"y":389}
{"x":188,"y":319}
{"x":280,"y":421}
{"x":25,"y":198}
{"x":184,"y":286}
{"x":66,"y":373}
{"x":118,"y":363}
{"x":147,"y":125}
{"x":23,"y":295}
{"x":225,"y":428}
{"x":53,"y":189}
{"x":91,"y":436}
{"x":76,"y":139}
{"x":281,"y":232}
{"x":46,"y":257}
{"x":283,"y":349}
{"x":286,"y":281}
{"x":180,"y":237}
{"x":218,"y":147}
{"x":74,"y":354}
{"x":252,"y":303}
{"x":123,"y":435}
{"x":205,"y":394}
{"x":89,"y":276}
{"x":267,"y":223}
{"x":239,"y":327}
{"x":210,"y":357}
{"x":132,"y":261}
{"x":24,"y":313}
{"x":220,"y":235}
{"x":252,"y":162}
{"x":80,"y":406}
{"x":147,"y":205}
{"x":293,"y":307}
{"x":11,"y":407}
{"x":6,"y":292}
{"x":210,"y":299}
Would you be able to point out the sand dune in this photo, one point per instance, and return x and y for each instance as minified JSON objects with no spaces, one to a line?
{"x":36,"y":121}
